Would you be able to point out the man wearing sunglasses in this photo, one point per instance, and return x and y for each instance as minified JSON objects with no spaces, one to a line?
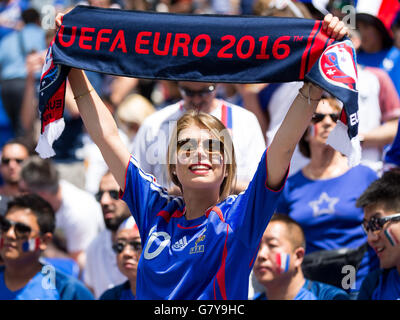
{"x":381,"y":204}
{"x":25,"y":232}
{"x":78,"y":214}
{"x":101,"y":271}
{"x":13,"y":153}
{"x":153,"y":137}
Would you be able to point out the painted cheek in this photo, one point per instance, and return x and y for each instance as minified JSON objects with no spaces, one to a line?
{"x":281,"y":262}
{"x":314,"y":130}
{"x":391,"y":236}
{"x":31,"y":245}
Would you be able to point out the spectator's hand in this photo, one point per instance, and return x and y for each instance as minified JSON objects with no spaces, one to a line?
{"x":34,"y":62}
{"x":334,"y":28}
{"x":59,"y":19}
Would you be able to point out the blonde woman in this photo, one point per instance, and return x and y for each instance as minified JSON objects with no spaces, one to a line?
{"x":201,"y":245}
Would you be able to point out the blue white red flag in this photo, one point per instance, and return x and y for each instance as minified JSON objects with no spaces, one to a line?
{"x":282,"y":262}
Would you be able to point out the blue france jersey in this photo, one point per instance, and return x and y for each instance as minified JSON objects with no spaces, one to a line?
{"x":206,"y":258}
{"x":32,"y":291}
{"x":314,"y":290}
{"x":40,"y":287}
{"x":388,"y":287}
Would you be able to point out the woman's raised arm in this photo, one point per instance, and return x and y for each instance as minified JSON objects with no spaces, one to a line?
{"x":98,"y":121}
{"x":100,"y":125}
{"x":298,"y":117}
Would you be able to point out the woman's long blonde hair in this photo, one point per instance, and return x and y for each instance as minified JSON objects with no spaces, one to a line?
{"x":219,"y":131}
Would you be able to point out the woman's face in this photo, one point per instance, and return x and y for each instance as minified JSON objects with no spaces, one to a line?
{"x":371,"y":38}
{"x":131,"y":249}
{"x":323,"y":122}
{"x":200,"y":160}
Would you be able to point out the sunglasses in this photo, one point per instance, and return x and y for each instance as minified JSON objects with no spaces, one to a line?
{"x":318,"y":117}
{"x":190,"y":146}
{"x":113,"y":194}
{"x":377,"y":223}
{"x":6,"y":161}
{"x":191,"y":93}
{"x":21,"y":229}
{"x":119,"y":246}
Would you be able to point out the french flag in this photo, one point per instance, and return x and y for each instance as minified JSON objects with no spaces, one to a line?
{"x":391,"y":237}
{"x":31,"y":245}
{"x":282,"y":262}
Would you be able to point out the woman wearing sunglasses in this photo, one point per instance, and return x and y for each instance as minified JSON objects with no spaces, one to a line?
{"x":201,"y":245}
{"x":128,"y":249}
{"x":321,"y":197}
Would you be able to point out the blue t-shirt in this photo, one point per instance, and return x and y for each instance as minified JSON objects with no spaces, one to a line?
{"x":388,"y":60}
{"x":382,"y":284}
{"x":326,"y":211}
{"x":13,"y":54}
{"x":40,"y":287}
{"x":120,"y":292}
{"x":388,"y":287}
{"x":206,"y":258}
{"x":314,"y":290}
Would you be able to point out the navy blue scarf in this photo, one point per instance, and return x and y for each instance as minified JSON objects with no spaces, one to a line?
{"x":209,"y":48}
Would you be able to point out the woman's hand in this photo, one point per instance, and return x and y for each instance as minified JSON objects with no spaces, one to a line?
{"x":59,"y":19}
{"x":334,"y":28}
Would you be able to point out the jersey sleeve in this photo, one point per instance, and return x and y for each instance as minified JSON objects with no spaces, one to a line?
{"x":369,"y":285}
{"x":252,"y":209}
{"x":143,"y":195}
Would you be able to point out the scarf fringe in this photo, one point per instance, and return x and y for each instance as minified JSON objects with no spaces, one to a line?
{"x":339,"y":140}
{"x":51,"y":133}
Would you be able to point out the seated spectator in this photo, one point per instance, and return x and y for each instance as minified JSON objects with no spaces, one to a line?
{"x":78,"y":215}
{"x":378,"y":110}
{"x":278,"y":265}
{"x":131,"y":113}
{"x":10,"y":15}
{"x":381,"y":205}
{"x":13,"y":153}
{"x":14,"y":49}
{"x":128,"y":248}
{"x":101,"y":271}
{"x":392,"y":154}
{"x":26,"y":230}
{"x":321,"y":198}
{"x":377,"y":49}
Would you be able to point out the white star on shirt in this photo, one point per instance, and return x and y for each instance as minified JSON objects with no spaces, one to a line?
{"x":324,"y":205}
{"x":330,"y":72}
